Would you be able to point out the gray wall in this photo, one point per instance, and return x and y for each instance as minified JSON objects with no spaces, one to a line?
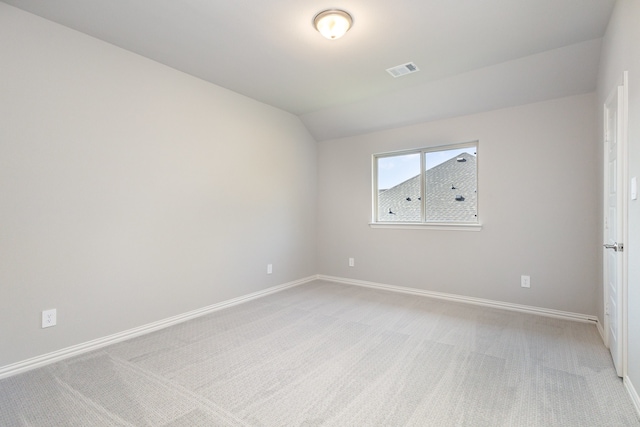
{"x":620,"y":52}
{"x":130,"y":192}
{"x":537,"y":203}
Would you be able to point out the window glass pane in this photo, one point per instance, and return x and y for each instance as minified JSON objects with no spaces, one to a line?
{"x":451,"y":185}
{"x":399,"y":188}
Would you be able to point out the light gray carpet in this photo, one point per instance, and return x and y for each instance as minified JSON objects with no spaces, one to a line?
{"x":334,"y":355}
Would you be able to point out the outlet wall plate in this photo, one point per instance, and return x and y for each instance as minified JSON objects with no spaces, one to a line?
{"x":49,"y":318}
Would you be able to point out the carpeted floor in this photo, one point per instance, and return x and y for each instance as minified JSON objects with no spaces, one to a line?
{"x":335,"y":355}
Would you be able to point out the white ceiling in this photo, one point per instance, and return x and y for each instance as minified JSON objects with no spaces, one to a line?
{"x":473,"y":55}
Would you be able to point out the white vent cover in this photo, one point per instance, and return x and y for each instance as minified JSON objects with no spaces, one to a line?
{"x":404,"y":69}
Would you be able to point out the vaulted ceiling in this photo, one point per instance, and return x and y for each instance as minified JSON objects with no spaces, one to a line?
{"x":472,"y":55}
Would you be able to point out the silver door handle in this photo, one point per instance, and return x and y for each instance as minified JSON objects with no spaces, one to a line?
{"x":616,"y":247}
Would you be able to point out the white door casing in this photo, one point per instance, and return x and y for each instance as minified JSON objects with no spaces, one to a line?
{"x":614,"y":260}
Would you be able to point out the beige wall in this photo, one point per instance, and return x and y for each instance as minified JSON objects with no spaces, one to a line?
{"x":130,"y":192}
{"x":621,"y":52}
{"x":537,"y":202}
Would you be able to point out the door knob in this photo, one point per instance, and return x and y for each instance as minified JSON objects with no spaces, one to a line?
{"x":616,"y":246}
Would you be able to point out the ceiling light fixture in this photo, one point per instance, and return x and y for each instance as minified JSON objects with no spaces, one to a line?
{"x":333,"y":23}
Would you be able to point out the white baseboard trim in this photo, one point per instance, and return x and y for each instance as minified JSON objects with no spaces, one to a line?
{"x":635,"y":398}
{"x":55,"y":356}
{"x":468,"y":300}
{"x":601,"y":331}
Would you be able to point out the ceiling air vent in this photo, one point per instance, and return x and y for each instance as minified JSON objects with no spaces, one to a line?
{"x":403,"y":69}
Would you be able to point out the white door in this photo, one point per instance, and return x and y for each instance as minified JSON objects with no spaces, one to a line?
{"x":614,"y":223}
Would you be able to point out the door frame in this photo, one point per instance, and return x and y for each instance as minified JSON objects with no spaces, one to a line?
{"x":623,"y":179}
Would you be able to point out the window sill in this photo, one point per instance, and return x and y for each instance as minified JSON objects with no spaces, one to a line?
{"x":426,"y":226}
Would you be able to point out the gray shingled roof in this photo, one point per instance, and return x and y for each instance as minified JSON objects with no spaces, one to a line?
{"x":444,"y":203}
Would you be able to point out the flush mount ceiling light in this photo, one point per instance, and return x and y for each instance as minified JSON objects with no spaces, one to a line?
{"x":333,"y":23}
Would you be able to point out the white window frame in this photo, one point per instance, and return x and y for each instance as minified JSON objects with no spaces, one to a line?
{"x":423,"y":224}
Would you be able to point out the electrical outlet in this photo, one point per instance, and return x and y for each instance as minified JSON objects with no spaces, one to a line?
{"x":525,"y":281}
{"x":269,"y":268}
{"x":49,"y":318}
{"x":352,"y":262}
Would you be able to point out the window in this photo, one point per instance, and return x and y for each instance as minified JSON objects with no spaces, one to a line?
{"x":430,"y":186}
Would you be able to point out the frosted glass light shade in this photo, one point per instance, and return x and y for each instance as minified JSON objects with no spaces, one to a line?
{"x":333,"y":24}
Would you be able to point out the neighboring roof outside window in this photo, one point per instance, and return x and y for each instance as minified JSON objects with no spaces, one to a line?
{"x":451,"y":194}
